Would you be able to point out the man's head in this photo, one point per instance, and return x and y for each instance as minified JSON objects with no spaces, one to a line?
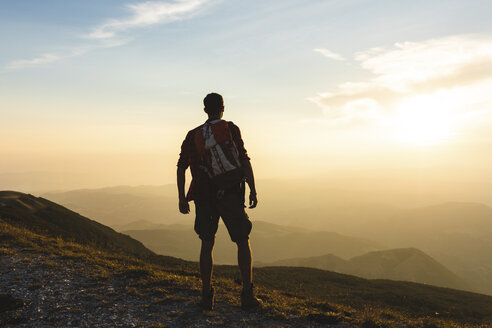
{"x":214,"y":105}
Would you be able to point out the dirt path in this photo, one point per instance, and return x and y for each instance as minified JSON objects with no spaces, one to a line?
{"x":59,"y":293}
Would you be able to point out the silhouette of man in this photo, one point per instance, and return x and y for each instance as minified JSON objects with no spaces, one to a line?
{"x":212,"y":202}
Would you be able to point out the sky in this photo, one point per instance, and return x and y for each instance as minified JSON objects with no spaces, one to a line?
{"x":100,"y":93}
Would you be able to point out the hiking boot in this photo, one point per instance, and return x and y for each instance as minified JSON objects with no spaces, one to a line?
{"x":207,"y":302}
{"x":248,"y":299}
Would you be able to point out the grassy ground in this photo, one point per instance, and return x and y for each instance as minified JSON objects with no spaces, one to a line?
{"x":308,"y":295}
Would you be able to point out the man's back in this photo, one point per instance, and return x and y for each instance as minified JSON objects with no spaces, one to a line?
{"x":190,"y":157}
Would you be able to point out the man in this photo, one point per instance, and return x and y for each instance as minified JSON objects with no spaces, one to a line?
{"x":213,"y":200}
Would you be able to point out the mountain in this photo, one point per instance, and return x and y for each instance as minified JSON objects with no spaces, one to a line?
{"x":101,"y":282}
{"x":116,"y":206}
{"x":269,"y":242}
{"x":456,"y":234}
{"x":328,"y":262}
{"x":406,"y":264}
{"x":409,"y":264}
{"x":43,"y":216}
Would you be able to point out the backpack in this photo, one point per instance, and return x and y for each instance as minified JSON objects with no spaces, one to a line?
{"x":219,"y":156}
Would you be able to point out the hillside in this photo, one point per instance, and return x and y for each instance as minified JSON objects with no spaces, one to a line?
{"x":51,"y":282}
{"x":43,"y":216}
{"x":270,"y":242}
{"x":407,"y":264}
{"x":107,"y":286}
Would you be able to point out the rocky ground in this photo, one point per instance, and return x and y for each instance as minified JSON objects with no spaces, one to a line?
{"x":37,"y":290}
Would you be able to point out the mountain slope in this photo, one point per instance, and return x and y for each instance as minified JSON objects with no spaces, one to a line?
{"x":43,"y":216}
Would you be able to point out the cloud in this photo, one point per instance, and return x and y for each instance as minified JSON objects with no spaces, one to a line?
{"x":24,"y":63}
{"x":105,"y":36}
{"x":45,"y":59}
{"x":329,"y":54}
{"x":147,"y":13}
{"x":406,"y":70}
{"x":410,"y":63}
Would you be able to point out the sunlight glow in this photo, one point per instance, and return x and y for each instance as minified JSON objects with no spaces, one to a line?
{"x":424,"y":120}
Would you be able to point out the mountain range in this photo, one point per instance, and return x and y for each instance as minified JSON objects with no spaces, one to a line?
{"x":456,"y":234}
{"x":408,"y":264}
{"x":93,"y":266}
{"x":269,"y":242}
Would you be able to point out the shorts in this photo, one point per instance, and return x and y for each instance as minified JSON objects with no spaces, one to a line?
{"x":231,"y":209}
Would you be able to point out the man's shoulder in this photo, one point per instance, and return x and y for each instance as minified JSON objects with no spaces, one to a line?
{"x":232,"y":126}
{"x":192,"y":132}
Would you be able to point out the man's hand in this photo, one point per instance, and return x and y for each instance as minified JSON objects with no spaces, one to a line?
{"x":253,"y":201}
{"x":184,"y":207}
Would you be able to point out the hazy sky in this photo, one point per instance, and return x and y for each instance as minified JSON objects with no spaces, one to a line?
{"x":97,"y":93}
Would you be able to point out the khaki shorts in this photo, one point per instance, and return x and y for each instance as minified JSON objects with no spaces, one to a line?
{"x":231,"y":209}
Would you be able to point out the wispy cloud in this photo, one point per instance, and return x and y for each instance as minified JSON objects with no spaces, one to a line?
{"x":408,"y":69}
{"x":24,"y":63}
{"x":328,"y":53}
{"x":107,"y":35}
{"x":147,"y":13}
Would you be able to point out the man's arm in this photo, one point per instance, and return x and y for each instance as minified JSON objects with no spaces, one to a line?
{"x":184,"y":207}
{"x":183,"y":163}
{"x":250,"y":179}
{"x":245,"y":163}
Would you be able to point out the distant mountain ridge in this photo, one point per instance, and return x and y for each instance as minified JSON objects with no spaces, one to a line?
{"x":456,"y":234}
{"x":405,"y":264}
{"x":116,"y":206}
{"x":269,"y":241}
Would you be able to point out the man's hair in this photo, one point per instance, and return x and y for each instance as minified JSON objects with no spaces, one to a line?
{"x":214,"y":103}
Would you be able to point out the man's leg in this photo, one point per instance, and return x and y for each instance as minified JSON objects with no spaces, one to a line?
{"x":248,"y":298}
{"x":206,"y":265}
{"x":244,"y":259}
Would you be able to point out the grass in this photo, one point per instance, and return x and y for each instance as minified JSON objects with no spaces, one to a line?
{"x":310,"y":295}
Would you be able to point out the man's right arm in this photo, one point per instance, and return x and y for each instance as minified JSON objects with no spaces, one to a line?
{"x":183,"y":163}
{"x":184,"y":207}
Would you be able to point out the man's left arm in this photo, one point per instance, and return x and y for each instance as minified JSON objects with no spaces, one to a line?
{"x":246,"y":164}
{"x":250,"y":179}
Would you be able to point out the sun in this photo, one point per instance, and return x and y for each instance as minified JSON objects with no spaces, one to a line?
{"x":423,"y":121}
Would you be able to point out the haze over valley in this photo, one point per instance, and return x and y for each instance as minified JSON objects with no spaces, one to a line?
{"x":297,"y":224}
